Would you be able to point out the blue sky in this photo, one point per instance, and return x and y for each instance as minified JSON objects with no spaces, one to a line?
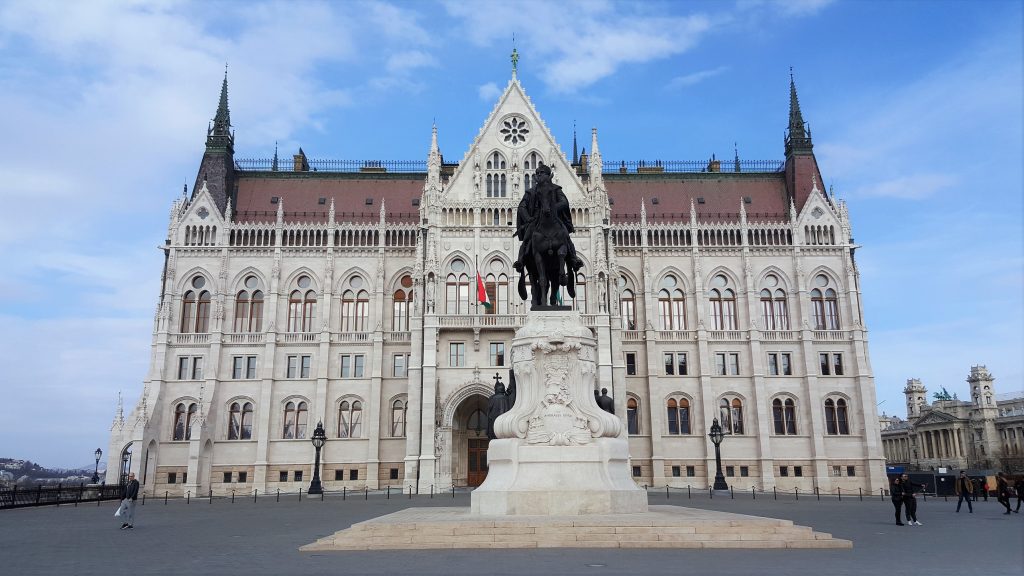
{"x":915,"y":107}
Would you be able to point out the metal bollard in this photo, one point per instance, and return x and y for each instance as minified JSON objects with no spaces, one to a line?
{"x":796,"y":491}
{"x":300,"y":493}
{"x":711,"y":493}
{"x":278,"y":494}
{"x":255,"y":493}
{"x":839,"y":492}
{"x":143,"y":498}
{"x":165,"y":497}
{"x":188,"y":497}
{"x":410,"y":491}
{"x":817,"y":493}
{"x":666,"y":492}
{"x":860,"y":494}
{"x":775,"y":493}
{"x":688,"y":495}
{"x":232,"y":496}
{"x":344,"y":492}
{"x":881,"y":494}
{"x":322,"y":492}
{"x":431,"y":490}
{"x":389,"y":492}
{"x":752,"y":494}
{"x":366,"y":492}
{"x":453,"y":489}
{"x":732,"y":495}
{"x":211,"y":495}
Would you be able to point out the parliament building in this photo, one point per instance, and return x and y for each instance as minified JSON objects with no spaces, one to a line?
{"x":299,"y":291}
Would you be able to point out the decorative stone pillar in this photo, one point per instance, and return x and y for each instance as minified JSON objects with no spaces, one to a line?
{"x":556,"y":452}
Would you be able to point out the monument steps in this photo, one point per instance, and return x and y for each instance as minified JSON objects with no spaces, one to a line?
{"x":660,"y":527}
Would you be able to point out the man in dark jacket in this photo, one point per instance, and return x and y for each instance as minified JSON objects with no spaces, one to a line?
{"x":964,"y":489}
{"x":1003,"y":491}
{"x":1019,"y":487}
{"x":129,"y":494}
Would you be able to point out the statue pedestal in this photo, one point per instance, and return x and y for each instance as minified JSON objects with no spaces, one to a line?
{"x":556,"y":452}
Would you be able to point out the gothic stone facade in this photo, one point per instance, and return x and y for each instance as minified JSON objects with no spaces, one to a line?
{"x":348,"y":296}
{"x":985,"y":432}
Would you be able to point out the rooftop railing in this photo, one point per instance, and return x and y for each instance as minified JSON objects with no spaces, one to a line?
{"x":420,"y":166}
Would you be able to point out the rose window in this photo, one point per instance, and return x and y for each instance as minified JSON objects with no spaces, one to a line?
{"x":515,"y":130}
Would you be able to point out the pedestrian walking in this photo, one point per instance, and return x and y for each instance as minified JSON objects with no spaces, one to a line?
{"x":1003,"y":491}
{"x":964,"y":489}
{"x":909,"y":500}
{"x":129,"y":493}
{"x":984,"y":490}
{"x":1019,"y":487}
{"x":896,"y":493}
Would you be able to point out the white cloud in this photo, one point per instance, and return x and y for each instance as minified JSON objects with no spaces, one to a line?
{"x":604,"y":37}
{"x":406,"y":61}
{"x":911,"y":187}
{"x":694,"y":78}
{"x":489,"y":92}
{"x":794,"y":8}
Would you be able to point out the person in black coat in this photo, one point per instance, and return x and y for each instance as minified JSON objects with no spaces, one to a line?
{"x":896,"y":492}
{"x":909,"y":500}
{"x":1003,"y":491}
{"x":1019,"y":487}
{"x":129,"y":494}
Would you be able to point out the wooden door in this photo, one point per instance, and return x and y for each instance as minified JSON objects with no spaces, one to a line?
{"x":477,"y":461}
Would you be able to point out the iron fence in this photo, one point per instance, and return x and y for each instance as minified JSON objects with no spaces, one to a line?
{"x":420,"y":166}
{"x":56,"y":495}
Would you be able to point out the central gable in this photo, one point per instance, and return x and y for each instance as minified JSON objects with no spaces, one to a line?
{"x":499,"y":165}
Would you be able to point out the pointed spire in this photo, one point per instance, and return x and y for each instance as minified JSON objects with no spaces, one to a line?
{"x":596,"y":164}
{"x":736,"y":152}
{"x":433,"y":183}
{"x":643,"y":212}
{"x":515,"y":58}
{"x":219,"y":134}
{"x":330,"y":213}
{"x":273,"y":164}
{"x":799,"y":136}
{"x":383,"y":212}
{"x":119,"y":415}
{"x":575,"y":155}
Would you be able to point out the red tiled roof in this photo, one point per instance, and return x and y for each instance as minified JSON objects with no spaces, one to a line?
{"x":722,"y":197}
{"x":301,"y":196}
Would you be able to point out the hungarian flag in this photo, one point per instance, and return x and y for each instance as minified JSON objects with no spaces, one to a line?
{"x":481,"y":292}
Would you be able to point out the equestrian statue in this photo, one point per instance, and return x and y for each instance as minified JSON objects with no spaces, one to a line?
{"x":547,"y":254}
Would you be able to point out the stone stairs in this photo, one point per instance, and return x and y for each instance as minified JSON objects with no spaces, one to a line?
{"x":660,"y":527}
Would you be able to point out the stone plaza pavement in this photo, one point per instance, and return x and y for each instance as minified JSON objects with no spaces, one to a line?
{"x":264,"y":537}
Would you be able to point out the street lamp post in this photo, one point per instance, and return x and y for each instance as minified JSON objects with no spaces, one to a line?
{"x":96,"y":470}
{"x":318,"y":440}
{"x":717,"y":436}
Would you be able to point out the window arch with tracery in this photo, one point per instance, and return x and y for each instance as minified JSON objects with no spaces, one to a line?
{"x":722,"y":299}
{"x":774,"y":306}
{"x":784,"y":416}
{"x":837,"y":418}
{"x":496,"y":178}
{"x":730,"y":413}
{"x":350,"y":419}
{"x":580,"y":301}
{"x":402,"y":305}
{"x":195,"y":308}
{"x":678,"y":416}
{"x":457,"y":288}
{"x":825,"y":304}
{"x":249,"y":306}
{"x":302,"y":306}
{"x":240,"y":421}
{"x":296,"y":416}
{"x":671,"y":304}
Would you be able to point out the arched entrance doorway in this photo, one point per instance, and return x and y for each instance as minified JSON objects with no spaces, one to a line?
{"x":469,"y":442}
{"x":126,"y":463}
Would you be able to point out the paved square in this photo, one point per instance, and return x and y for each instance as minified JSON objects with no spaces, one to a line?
{"x":264,"y":538}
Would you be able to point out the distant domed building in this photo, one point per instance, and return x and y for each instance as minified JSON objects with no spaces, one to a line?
{"x":349,"y":293}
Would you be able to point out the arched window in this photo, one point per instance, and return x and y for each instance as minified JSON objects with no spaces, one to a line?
{"x":457,"y":289}
{"x":301,"y":418}
{"x":289,"y":421}
{"x":402,"y":303}
{"x":731,"y":415}
{"x":496,"y":179}
{"x":632,"y":416}
{"x":825,"y":304}
{"x":249,"y":307}
{"x":302,"y":306}
{"x":671,"y":304}
{"x":184,"y":415}
{"x":627,"y":304}
{"x":678,"y":416}
{"x":240,"y":422}
{"x":580,"y":302}
{"x":784,"y":415}
{"x":477,"y":422}
{"x":496,"y":286}
{"x":530,"y":164}
{"x":837,"y":420}
{"x":398,"y":409}
{"x":723,"y":304}
{"x":350,"y":419}
{"x":195,"y":308}
{"x":774,"y":308}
